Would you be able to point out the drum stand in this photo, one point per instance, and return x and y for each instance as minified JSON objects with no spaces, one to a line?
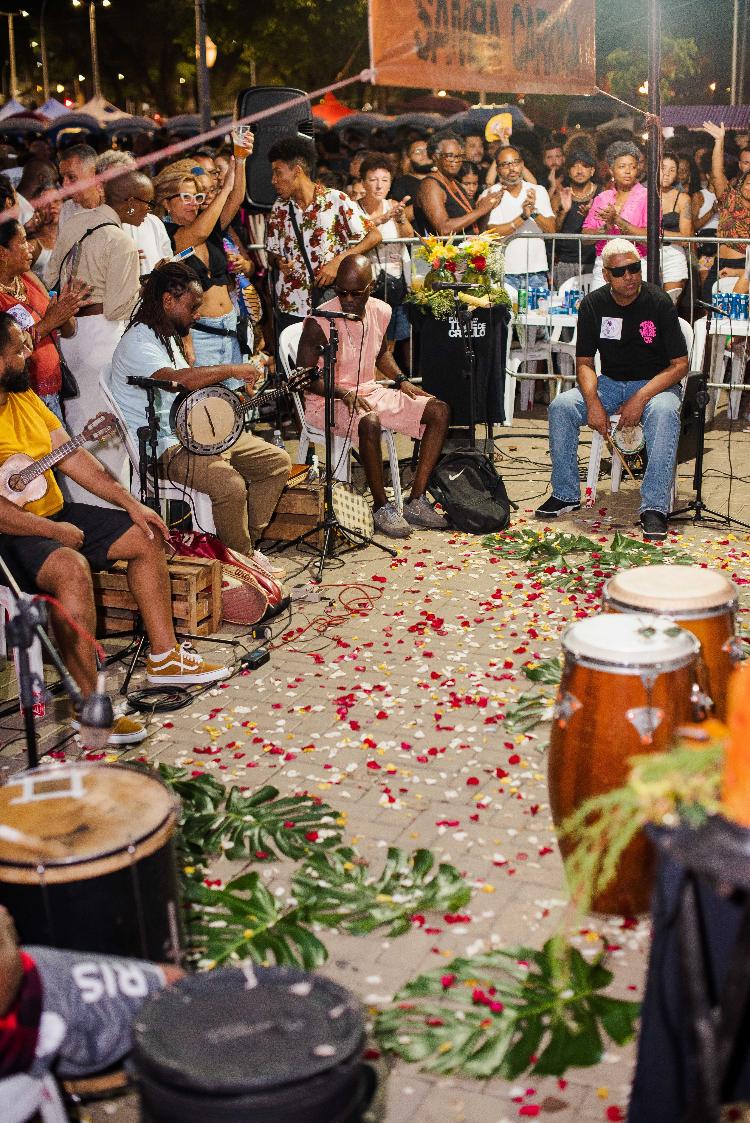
{"x":696,"y":506}
{"x":21,"y":630}
{"x":329,"y":524}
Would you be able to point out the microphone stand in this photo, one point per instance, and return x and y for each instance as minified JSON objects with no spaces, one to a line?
{"x":330,"y":524}
{"x":148,"y":460}
{"x":22,"y":629}
{"x":696,"y":507}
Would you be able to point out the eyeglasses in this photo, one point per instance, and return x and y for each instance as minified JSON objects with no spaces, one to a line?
{"x":188,"y":197}
{"x":138,"y":199}
{"x":351,"y":292}
{"x":509,"y":163}
{"x":620,"y":270}
{"x":451,"y":155}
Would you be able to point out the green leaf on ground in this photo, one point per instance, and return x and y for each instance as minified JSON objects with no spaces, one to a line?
{"x":507,"y":1012}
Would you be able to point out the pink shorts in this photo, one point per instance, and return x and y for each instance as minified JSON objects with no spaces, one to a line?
{"x":396,"y":410}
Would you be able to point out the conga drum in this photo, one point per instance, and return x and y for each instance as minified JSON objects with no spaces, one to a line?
{"x":702,"y":600}
{"x":87,"y":860}
{"x":252,"y":1045}
{"x":627,"y":683}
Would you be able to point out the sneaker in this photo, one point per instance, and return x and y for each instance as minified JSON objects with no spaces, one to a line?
{"x":125,"y":731}
{"x":654,"y":526}
{"x":420,"y":512}
{"x":390,"y":522}
{"x":272,"y":568}
{"x":183,"y":667}
{"x":553,"y":507}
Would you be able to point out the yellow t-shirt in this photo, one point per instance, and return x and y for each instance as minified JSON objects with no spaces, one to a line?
{"x":25,"y":426}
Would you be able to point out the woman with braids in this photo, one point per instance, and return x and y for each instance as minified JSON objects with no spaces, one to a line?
{"x":245,"y":482}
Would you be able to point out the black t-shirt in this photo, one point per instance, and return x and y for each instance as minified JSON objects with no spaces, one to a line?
{"x":634,"y":342}
{"x":404,"y":185}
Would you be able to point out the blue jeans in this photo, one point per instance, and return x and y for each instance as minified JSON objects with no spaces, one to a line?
{"x":52,"y":402}
{"x":661,"y":430}
{"x":216,"y":350}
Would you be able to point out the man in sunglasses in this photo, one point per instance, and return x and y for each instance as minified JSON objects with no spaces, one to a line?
{"x":365,"y":405}
{"x":634,"y":327}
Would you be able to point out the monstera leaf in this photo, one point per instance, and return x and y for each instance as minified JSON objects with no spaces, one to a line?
{"x":243,"y":921}
{"x":507,"y":1012}
{"x":339,"y":891}
{"x":260,"y":825}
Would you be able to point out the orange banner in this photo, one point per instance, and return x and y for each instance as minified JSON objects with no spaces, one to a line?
{"x":544,"y":47}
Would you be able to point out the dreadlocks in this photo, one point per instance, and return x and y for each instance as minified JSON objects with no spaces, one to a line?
{"x":175,"y":278}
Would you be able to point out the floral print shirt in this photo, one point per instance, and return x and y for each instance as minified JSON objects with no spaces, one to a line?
{"x":331,"y":224}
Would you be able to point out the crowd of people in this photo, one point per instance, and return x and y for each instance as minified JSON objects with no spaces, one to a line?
{"x":162,"y":271}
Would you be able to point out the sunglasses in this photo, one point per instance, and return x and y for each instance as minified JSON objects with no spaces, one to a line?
{"x":351,"y":292}
{"x":188,"y":197}
{"x":620,"y":270}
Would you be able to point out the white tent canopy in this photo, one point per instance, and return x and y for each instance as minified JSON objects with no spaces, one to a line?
{"x":53,"y":108}
{"x":102,"y":110}
{"x":11,"y":109}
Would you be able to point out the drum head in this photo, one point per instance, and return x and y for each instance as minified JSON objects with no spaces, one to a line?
{"x":674,"y":590}
{"x":208,"y":421}
{"x":629,"y":643}
{"x":244,"y":1029}
{"x":59,"y":816}
{"x":629,"y":440}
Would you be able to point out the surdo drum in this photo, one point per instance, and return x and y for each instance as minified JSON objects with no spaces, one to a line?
{"x":702,"y":600}
{"x":628,"y":681}
{"x":252,"y":1045}
{"x":87,"y":860}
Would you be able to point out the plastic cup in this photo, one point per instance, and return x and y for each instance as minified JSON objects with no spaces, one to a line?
{"x":239,"y":132}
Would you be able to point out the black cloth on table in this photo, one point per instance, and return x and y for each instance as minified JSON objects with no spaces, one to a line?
{"x":664,"y":1084}
{"x":442,"y":362}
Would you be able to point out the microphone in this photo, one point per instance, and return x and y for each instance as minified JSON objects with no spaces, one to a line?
{"x":155,"y":384}
{"x":453,"y":286}
{"x":335,"y":315}
{"x":97,"y":716}
{"x":715,"y":309}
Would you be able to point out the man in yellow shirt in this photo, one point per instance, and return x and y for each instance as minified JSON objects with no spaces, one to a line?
{"x":50,"y":545}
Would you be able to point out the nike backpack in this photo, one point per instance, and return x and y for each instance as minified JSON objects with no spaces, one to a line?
{"x":471,"y":492}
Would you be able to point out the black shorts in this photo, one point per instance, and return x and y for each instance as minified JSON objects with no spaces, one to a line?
{"x":101,"y":526}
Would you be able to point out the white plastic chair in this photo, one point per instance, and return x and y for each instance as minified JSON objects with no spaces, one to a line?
{"x":200,"y":503}
{"x":518,"y":359}
{"x":309,"y":435}
{"x":597,"y":440}
{"x":23,"y":1096}
{"x":722,"y":356}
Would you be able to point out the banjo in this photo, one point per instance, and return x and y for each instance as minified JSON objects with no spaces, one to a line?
{"x":209,"y":421}
{"x":22,"y":479}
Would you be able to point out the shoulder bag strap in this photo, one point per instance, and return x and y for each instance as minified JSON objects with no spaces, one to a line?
{"x":301,"y":243}
{"x":80,"y":242}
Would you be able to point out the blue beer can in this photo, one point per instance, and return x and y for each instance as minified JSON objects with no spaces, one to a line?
{"x":744,"y":305}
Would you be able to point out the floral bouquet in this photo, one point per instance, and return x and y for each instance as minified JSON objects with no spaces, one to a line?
{"x":473,"y":261}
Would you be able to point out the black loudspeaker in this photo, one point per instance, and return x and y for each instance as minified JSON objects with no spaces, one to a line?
{"x":288,"y":120}
{"x":688,"y":444}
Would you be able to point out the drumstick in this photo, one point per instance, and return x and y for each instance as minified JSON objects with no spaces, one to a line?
{"x":616,"y":452}
{"x":31,"y":842}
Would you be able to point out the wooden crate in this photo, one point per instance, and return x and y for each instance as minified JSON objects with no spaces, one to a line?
{"x":196,"y":597}
{"x":298,"y":510}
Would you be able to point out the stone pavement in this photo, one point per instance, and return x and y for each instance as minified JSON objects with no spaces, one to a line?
{"x":387,"y":699}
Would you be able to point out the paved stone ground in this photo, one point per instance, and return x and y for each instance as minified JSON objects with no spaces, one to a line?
{"x":389,"y":706}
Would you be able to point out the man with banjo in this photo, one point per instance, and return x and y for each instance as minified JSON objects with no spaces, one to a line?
{"x":49,"y":545}
{"x":634,"y":327}
{"x":244,"y":482}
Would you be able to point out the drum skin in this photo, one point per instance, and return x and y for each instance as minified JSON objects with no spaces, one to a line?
{"x":702,"y":600}
{"x":589,"y":755}
{"x":97,"y":871}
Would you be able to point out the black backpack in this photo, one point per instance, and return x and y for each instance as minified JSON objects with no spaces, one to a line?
{"x":467,"y":485}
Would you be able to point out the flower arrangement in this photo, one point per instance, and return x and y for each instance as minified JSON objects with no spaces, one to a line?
{"x":469,"y":261}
